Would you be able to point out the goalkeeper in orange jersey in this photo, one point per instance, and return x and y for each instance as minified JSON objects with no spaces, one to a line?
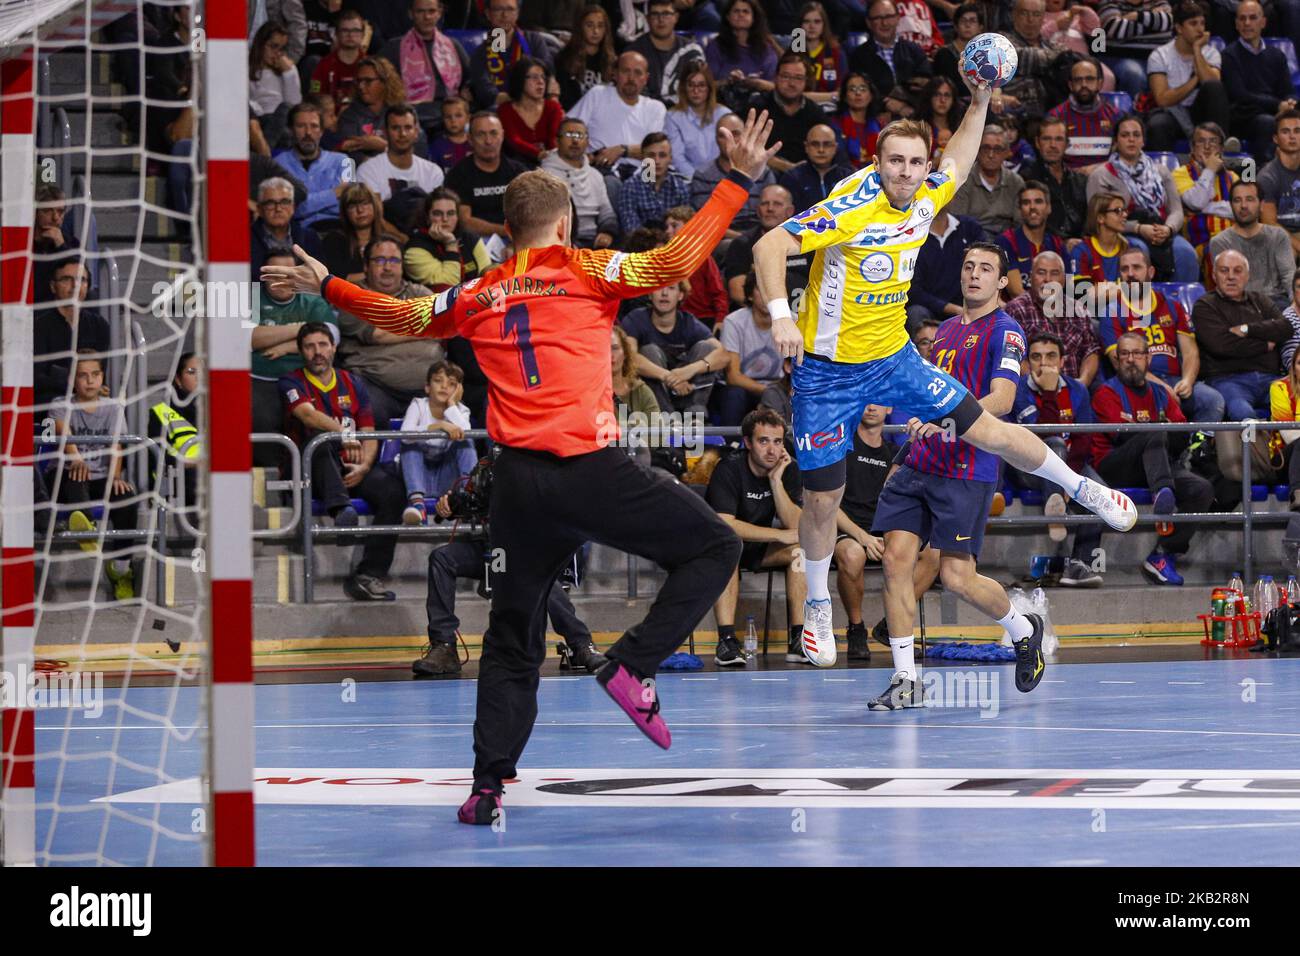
{"x":540,"y":324}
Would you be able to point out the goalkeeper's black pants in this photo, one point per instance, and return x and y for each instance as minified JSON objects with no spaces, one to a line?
{"x":543,"y":507}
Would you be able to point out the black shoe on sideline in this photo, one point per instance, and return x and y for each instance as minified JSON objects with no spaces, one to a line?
{"x":729,"y":653}
{"x":439,"y":660}
{"x":362,"y":587}
{"x":859,"y":649}
{"x":575,"y":657}
{"x":880,"y":633}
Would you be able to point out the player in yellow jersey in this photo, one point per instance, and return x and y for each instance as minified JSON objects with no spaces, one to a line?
{"x":851,"y":349}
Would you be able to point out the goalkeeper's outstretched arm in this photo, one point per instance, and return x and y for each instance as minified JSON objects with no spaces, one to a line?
{"x":959,"y":154}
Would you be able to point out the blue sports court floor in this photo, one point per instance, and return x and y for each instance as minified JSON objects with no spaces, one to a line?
{"x":1164,"y":763}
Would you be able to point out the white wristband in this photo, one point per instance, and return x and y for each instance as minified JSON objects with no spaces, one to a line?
{"x":779,"y":309}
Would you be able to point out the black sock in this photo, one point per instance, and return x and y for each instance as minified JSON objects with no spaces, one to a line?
{"x":860,"y":626}
{"x":796,"y":633}
{"x":726,"y":631}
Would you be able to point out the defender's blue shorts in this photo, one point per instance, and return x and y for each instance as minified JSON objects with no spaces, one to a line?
{"x":949,"y":513}
{"x":829,"y":398}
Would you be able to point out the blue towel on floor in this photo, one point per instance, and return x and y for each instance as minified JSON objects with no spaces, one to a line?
{"x":681,"y":661}
{"x":963,"y":651}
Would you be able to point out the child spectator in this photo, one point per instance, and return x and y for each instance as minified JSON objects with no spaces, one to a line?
{"x":431,"y":466}
{"x":95,"y":472}
{"x":453,"y":145}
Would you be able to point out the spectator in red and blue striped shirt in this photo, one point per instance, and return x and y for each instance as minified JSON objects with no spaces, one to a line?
{"x":1024,"y":242}
{"x":1089,"y":120}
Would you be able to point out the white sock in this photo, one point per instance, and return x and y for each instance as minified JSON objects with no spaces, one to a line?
{"x":1016,"y":624}
{"x":817,"y":574}
{"x":1055,"y":470}
{"x":904,"y":661}
{"x":121,"y":565}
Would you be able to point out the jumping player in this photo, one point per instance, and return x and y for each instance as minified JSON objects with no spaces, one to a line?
{"x":540,"y":324}
{"x":851,"y":346}
{"x":942,"y":492}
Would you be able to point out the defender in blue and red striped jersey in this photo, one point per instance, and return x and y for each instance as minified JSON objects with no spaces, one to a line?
{"x":941,"y":494}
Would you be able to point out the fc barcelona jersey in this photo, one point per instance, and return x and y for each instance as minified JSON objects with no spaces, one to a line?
{"x":974,"y":354}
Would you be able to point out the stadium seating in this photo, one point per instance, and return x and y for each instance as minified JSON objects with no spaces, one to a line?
{"x":1120,"y":100}
{"x":1170,"y":160}
{"x":1186,"y":293}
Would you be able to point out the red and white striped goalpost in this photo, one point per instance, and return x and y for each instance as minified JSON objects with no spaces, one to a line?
{"x":229,"y":412}
{"x":17,"y":570}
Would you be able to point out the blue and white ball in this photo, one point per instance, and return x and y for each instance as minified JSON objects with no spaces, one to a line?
{"x":989,"y":61}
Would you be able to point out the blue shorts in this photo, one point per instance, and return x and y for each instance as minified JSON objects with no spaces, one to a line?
{"x":948,"y":513}
{"x":829,"y":397}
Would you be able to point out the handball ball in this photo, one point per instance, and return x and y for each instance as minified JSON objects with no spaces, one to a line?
{"x":989,"y":60}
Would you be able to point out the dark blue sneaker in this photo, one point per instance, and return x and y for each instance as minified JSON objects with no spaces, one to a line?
{"x":1160,"y":568}
{"x":1164,"y":504}
{"x":1029,"y":657}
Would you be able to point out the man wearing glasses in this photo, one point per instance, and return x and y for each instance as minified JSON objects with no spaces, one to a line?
{"x":887,"y":59}
{"x":274,"y":227}
{"x":1089,"y":120}
{"x":489,"y":65}
{"x":793,"y":114}
{"x":336,"y":74}
{"x":597,"y":223}
{"x":665,"y":52}
{"x":62,"y":330}
{"x":992,"y":195}
{"x":1148,"y":459}
{"x":393,"y":368}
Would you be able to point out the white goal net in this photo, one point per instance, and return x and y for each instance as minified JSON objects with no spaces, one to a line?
{"x":104,"y":481}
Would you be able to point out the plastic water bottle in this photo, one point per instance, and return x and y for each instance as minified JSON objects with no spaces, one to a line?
{"x":1266,"y":596}
{"x":1236,"y":584}
{"x":1292,"y":590}
{"x":751,"y":640}
{"x":1042,"y":607}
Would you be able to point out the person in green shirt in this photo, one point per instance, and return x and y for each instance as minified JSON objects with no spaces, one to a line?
{"x":275,"y":353}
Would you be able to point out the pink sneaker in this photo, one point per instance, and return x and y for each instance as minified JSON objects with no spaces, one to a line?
{"x":483,"y":808}
{"x":638,"y":700}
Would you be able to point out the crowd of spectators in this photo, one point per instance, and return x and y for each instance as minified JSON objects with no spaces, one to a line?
{"x":383,"y":140}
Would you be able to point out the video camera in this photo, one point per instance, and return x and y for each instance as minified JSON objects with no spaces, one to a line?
{"x":470,"y":500}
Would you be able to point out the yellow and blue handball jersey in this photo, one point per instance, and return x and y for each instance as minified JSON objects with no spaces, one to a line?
{"x":854,"y":307}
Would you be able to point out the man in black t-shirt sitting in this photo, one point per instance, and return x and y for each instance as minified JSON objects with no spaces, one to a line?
{"x":750,"y":492}
{"x":481,"y":178}
{"x":869,"y":466}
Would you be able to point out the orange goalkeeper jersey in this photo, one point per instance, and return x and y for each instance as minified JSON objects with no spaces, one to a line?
{"x":540,"y":324}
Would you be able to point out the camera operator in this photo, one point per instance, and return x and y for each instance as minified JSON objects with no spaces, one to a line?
{"x":471,"y":558}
